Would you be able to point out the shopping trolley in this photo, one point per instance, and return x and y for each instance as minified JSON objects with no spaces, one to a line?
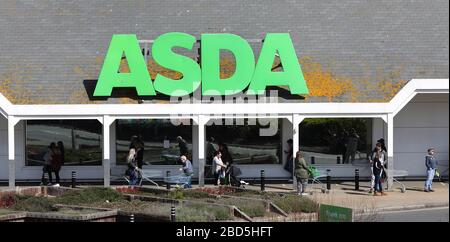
{"x":178,"y":180}
{"x":315,"y":175}
{"x":143,"y":174}
{"x":397,"y":174}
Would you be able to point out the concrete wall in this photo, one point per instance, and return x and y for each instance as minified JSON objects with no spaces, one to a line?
{"x":421,"y":124}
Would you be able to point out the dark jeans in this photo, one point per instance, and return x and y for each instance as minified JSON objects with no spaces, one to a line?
{"x":47,"y":169}
{"x":56,"y":175}
{"x":216,"y":177}
{"x":134,"y":177}
{"x":378,"y":185}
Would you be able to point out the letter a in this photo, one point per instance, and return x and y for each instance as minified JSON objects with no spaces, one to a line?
{"x":138,"y":76}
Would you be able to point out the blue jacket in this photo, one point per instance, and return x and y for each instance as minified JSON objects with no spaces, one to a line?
{"x":187,"y":168}
{"x":430,"y":162}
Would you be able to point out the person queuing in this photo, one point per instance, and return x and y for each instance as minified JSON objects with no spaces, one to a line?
{"x":378,"y":170}
{"x":382,"y":157}
{"x":289,"y":153}
{"x":226,"y":155}
{"x":301,"y":173}
{"x":57,"y":160}
{"x":188,"y":171}
{"x":60,"y":145}
{"x":133,"y":171}
{"x":351,"y":147}
{"x":182,"y":146}
{"x":138,"y":144}
{"x":47,"y":168}
{"x":219,"y":167}
{"x":431,"y":165}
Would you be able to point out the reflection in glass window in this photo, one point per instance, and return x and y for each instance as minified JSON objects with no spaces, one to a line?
{"x":81,"y":139}
{"x":244,"y":142}
{"x":159,"y":137}
{"x":336,"y":140}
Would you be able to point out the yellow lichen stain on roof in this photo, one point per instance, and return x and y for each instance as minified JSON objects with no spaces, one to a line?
{"x":12,"y":86}
{"x":321,"y":83}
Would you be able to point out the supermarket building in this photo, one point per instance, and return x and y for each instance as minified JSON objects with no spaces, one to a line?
{"x":44,"y":91}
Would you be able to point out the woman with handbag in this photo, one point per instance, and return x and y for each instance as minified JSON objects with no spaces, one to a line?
{"x":219,"y":171}
{"x":132,"y":171}
{"x":378,"y":171}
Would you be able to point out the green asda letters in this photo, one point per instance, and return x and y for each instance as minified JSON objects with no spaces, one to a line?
{"x":246,"y":74}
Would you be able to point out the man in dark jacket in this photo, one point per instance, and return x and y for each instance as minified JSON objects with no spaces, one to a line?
{"x":431,"y":164}
{"x":183,"y":146}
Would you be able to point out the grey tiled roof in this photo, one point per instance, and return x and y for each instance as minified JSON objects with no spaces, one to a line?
{"x":49,"y":47}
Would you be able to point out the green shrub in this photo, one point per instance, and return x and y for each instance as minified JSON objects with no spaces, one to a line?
{"x":254,"y":209}
{"x":249,"y":207}
{"x":34,"y":204}
{"x":196,"y":194}
{"x":89,"y":195}
{"x":176,"y":194}
{"x":202,"y":213}
{"x":296,"y":204}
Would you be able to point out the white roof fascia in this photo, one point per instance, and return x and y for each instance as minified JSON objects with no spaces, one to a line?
{"x":187,"y":110}
{"x":414,"y":87}
{"x":5,"y":106}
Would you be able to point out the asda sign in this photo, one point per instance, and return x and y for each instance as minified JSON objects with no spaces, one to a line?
{"x":248,"y":74}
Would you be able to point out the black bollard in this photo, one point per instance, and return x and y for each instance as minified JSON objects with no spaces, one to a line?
{"x":74,"y":179}
{"x":313,"y":160}
{"x":167,"y":180}
{"x":328,"y":179}
{"x":263,"y":182}
{"x":338,"y":158}
{"x":356,"y":179}
{"x":172,"y":214}
{"x":132,"y":218}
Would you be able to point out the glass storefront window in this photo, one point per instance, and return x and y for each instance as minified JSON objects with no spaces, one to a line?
{"x":336,"y":140}
{"x":159,"y":137}
{"x":244,"y":141}
{"x":81,"y":139}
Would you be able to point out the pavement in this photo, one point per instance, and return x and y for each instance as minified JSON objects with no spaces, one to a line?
{"x":416,"y":215}
{"x":343,"y":194}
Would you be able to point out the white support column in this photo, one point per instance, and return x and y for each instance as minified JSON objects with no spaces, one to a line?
{"x":390,"y":149}
{"x":296,"y":120}
{"x":107,"y":121}
{"x":195,"y":142}
{"x":198,"y":153}
{"x":12,"y":121}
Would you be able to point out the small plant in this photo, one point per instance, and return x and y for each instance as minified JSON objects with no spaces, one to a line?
{"x":8,"y":200}
{"x":197,"y":194}
{"x":202,"y":213}
{"x":89,"y":195}
{"x":128,"y":190}
{"x":34,"y":204}
{"x":176,"y":194}
{"x":296,"y":204}
{"x":217,"y":191}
